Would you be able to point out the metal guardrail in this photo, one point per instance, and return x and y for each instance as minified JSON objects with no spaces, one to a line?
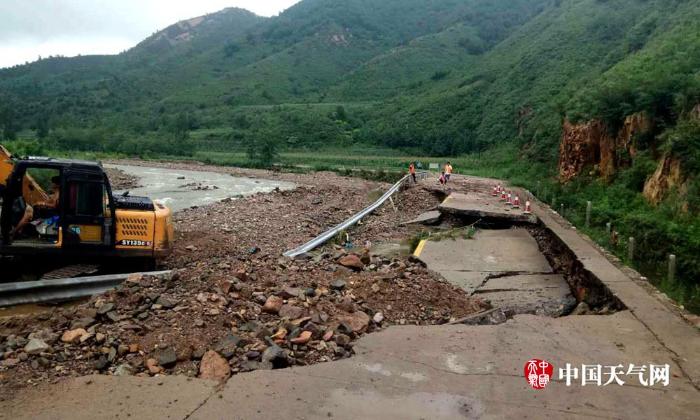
{"x":40,"y":291}
{"x":327,"y":235}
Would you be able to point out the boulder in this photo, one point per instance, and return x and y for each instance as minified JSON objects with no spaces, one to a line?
{"x":303,"y":338}
{"x":166,"y":357}
{"x":214,"y":367}
{"x":351,"y":261}
{"x":36,"y":346}
{"x":356,"y":321}
{"x":273,"y":304}
{"x":227,"y":345}
{"x":73,"y":336}
{"x":291,"y":312}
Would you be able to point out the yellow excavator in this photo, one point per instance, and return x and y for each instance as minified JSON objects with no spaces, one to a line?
{"x":84,"y":220}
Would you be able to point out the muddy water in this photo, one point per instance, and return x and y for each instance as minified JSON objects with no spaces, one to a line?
{"x":180,"y":189}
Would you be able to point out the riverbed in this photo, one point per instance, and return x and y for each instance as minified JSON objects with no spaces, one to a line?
{"x":180,"y":189}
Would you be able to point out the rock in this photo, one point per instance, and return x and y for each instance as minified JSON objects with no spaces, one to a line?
{"x":346,"y":304}
{"x":112,"y":316}
{"x":100,"y":338}
{"x":275,"y":356}
{"x":227,"y":346}
{"x":214,"y":367}
{"x":303,"y":338}
{"x":166,"y":357}
{"x":250,"y":365}
{"x":581,"y":309}
{"x":338,"y":284}
{"x":342,"y":340}
{"x":165,"y":303}
{"x":122,"y":349}
{"x":191,"y":248}
{"x":9,"y":362}
{"x":378,"y":318}
{"x":290,"y":292}
{"x":133,"y":348}
{"x":73,"y":336}
{"x":124,"y":370}
{"x":107,"y":307}
{"x":357,"y":321}
{"x":273,"y":304}
{"x":152,"y":366}
{"x":100,"y":363}
{"x":291,"y":312}
{"x":36,"y":346}
{"x":310,"y":292}
{"x":199,"y":323}
{"x":46,"y":334}
{"x":252,"y":355}
{"x":134,"y":278}
{"x":351,"y":261}
{"x":82,"y":322}
{"x":328,"y":335}
{"x":112,"y":355}
{"x":241,"y":275}
{"x":198,"y":354}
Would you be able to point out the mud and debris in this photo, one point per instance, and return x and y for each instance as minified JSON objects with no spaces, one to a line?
{"x":232,"y":301}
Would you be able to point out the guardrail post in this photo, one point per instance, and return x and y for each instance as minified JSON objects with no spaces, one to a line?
{"x":608,"y":228}
{"x":561,"y":211}
{"x":672,"y":269}
{"x":589,"y":207}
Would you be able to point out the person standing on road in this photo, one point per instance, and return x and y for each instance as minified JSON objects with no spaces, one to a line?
{"x":448,"y":172}
{"x":412,"y":171}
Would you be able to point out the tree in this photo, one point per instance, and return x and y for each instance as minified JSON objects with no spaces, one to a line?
{"x":263,"y":148}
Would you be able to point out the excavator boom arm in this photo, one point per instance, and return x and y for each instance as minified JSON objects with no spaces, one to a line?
{"x":31,"y":190}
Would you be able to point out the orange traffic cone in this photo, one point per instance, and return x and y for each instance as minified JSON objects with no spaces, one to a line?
{"x":503,"y":195}
{"x":510,"y":199}
{"x":494,"y":192}
{"x":516,"y":202}
{"x":528,"y":208}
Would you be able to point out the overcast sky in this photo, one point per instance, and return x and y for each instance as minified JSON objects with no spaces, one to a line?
{"x":33,"y":28}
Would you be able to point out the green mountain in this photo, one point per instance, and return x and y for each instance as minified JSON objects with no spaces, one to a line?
{"x":603,"y":95}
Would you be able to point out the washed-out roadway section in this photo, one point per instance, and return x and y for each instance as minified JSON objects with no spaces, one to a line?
{"x":450,"y":371}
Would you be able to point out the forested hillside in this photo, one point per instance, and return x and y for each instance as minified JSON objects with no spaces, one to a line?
{"x":592,"y":95}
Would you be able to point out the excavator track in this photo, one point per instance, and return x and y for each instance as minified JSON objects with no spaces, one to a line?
{"x":71,"y":271}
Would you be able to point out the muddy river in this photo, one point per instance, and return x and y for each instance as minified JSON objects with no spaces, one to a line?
{"x":180,"y":189}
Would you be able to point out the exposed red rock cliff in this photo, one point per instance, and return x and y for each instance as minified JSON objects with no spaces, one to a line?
{"x":591,"y":144}
{"x":668,"y":175}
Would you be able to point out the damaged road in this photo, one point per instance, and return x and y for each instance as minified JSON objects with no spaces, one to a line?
{"x":235,"y":309}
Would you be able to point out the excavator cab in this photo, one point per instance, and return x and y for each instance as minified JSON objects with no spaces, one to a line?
{"x":81,"y":220}
{"x":84,"y":218}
